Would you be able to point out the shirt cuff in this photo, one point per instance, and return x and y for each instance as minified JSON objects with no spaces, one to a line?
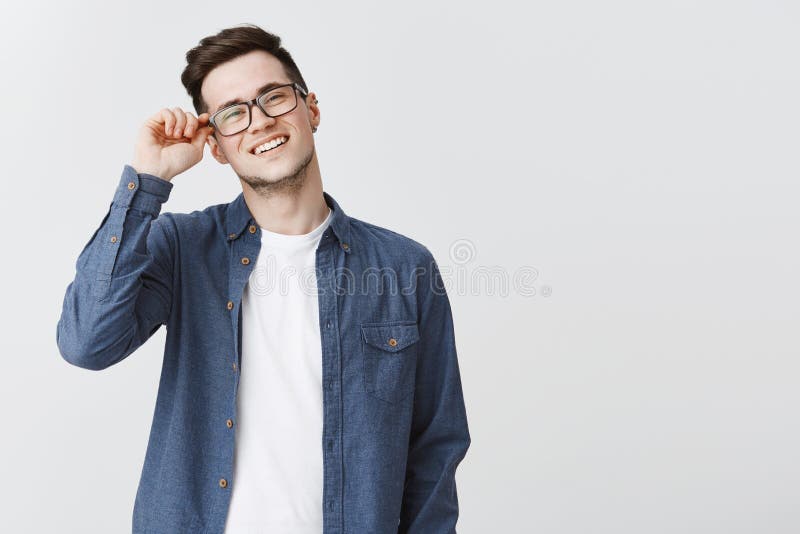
{"x":144,"y":192}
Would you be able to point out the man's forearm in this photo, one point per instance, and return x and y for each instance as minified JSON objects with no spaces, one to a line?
{"x":121,"y":291}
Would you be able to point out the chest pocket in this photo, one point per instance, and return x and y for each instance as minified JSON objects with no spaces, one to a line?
{"x":390,"y":359}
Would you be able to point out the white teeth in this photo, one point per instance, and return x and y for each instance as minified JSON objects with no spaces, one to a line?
{"x":268,"y":146}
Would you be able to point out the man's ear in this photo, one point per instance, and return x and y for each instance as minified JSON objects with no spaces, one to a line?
{"x":313,"y":110}
{"x":216,"y":151}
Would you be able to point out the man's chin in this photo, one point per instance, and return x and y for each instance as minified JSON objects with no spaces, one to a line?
{"x":266,"y":173}
{"x":284,"y":175}
{"x":270,"y":183}
{"x":264,"y":180}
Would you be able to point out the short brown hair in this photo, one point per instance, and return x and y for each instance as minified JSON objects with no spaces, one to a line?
{"x":229,"y":44}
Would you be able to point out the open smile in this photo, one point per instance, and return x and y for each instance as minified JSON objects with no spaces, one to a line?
{"x":261,"y":153}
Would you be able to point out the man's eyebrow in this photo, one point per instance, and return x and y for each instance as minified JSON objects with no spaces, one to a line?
{"x":263,"y":88}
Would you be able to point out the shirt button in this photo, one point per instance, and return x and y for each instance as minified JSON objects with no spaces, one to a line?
{"x":252,"y":229}
{"x":234,"y":366}
{"x":245,"y":261}
{"x":223,"y":483}
{"x":345,"y":246}
{"x":229,"y":423}
{"x":113,"y":239}
{"x":131,"y":185}
{"x":231,"y":236}
{"x":328,"y":324}
{"x":392,"y":342}
{"x":230,"y":305}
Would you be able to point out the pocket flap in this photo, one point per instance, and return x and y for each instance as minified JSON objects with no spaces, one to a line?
{"x":390,"y":337}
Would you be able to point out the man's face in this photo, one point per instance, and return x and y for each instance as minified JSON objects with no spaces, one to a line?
{"x":240,"y":79}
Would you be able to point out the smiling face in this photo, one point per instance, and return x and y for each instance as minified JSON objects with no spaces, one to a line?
{"x":281,"y":168}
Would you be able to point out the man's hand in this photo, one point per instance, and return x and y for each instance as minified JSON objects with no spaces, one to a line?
{"x":170,"y":142}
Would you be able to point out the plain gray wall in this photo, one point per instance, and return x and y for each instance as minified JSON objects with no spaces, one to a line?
{"x":635,"y":163}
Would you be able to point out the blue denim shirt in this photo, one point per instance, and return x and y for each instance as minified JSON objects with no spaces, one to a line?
{"x":394,"y":421}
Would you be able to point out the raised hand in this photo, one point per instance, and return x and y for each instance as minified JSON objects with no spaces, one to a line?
{"x":170,"y":142}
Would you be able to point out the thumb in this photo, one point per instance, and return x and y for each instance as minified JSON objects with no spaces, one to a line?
{"x":200,"y":137}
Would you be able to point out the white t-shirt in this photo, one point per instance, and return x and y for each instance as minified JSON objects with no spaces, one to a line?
{"x":278,"y":476}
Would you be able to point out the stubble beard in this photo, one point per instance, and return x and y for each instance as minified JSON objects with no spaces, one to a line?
{"x":290,"y":184}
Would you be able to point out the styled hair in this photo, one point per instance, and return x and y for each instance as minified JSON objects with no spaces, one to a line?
{"x":229,"y":44}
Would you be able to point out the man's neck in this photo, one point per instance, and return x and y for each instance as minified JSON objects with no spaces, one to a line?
{"x":294,"y":213}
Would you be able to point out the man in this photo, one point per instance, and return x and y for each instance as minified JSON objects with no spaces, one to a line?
{"x":333,"y":408}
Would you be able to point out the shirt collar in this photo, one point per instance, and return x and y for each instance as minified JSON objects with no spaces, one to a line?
{"x":238,"y":217}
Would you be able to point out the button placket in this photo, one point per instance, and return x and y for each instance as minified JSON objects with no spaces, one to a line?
{"x":331,"y":372}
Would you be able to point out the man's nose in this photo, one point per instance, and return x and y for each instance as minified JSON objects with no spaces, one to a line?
{"x":259,"y":119}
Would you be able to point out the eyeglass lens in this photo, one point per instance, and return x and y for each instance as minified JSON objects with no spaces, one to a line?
{"x":237,"y":118}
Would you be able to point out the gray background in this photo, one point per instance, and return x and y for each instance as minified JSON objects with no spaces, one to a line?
{"x":637,"y":162}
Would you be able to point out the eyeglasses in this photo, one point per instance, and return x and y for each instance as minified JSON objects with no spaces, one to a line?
{"x":274,"y":103}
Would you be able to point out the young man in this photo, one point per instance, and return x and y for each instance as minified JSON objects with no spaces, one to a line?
{"x":329,"y":403}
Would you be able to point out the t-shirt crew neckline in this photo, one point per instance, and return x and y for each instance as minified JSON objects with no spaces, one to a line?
{"x":274,"y":238}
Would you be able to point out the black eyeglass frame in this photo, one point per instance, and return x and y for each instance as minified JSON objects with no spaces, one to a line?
{"x":255,"y":102}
